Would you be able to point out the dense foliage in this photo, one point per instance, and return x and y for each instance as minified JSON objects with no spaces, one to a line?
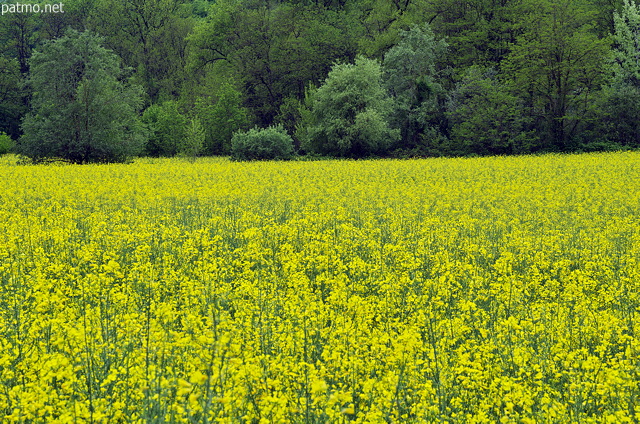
{"x":167,"y":128}
{"x":463,"y":77}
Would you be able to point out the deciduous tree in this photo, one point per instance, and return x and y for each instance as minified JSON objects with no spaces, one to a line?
{"x":486,"y":119}
{"x":150,"y":37}
{"x":167,"y":128}
{"x":80,"y":110}
{"x":556,"y":66}
{"x":411,"y":76}
{"x":12,"y":106}
{"x":350,"y":113}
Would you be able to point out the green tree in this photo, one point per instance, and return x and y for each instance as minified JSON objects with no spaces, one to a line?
{"x":273,"y":51}
{"x":167,"y":128}
{"x":80,"y":110}
{"x":221,"y":112}
{"x":349,"y":113}
{"x":478,"y":32}
{"x":150,"y":37}
{"x":626,"y":53}
{"x":18,"y":37}
{"x":290,"y":117}
{"x":604,"y":15}
{"x":557,"y":66}
{"x":12,"y":106}
{"x":485,"y":118}
{"x":20,"y":33}
{"x":194,"y":140}
{"x":411,"y":76}
{"x":384,"y":20}
{"x":617,"y":123}
{"x":74,"y":15}
{"x":6,"y":143}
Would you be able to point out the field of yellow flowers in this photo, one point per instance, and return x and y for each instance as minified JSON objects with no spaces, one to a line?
{"x":443,"y":290}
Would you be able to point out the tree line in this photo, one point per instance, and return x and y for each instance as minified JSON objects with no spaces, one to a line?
{"x":110,"y":79}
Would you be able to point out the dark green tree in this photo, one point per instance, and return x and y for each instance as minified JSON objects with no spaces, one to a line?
{"x":349,"y":115}
{"x":411,"y":75}
{"x":478,"y":32}
{"x":18,"y":37}
{"x":557,"y":66}
{"x":150,"y":37}
{"x":80,"y":110}
{"x":20,"y":33}
{"x":385,"y":20}
{"x":486,"y":119}
{"x":617,"y":123}
{"x":273,"y":51}
{"x":12,"y":106}
{"x":74,"y":15}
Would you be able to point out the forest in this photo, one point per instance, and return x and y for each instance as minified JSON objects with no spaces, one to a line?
{"x":103,"y":80}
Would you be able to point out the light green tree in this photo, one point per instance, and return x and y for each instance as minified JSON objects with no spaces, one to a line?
{"x":166,"y":126}
{"x":221,"y":114}
{"x":626,"y":54}
{"x":192,"y":144}
{"x":6,"y":143}
{"x":349,"y":115}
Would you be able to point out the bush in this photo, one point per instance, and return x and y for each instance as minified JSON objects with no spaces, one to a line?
{"x":262,"y":144}
{"x":6,"y":144}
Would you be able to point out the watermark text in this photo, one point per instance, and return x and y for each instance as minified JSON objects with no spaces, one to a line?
{"x":15,"y":8}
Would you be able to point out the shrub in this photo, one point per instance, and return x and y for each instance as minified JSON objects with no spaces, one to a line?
{"x":262,"y":144}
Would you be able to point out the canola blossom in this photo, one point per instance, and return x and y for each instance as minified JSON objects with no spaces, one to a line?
{"x":476,"y":290}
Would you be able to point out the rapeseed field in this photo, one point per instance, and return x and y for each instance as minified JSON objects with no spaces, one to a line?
{"x":486,"y":290}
